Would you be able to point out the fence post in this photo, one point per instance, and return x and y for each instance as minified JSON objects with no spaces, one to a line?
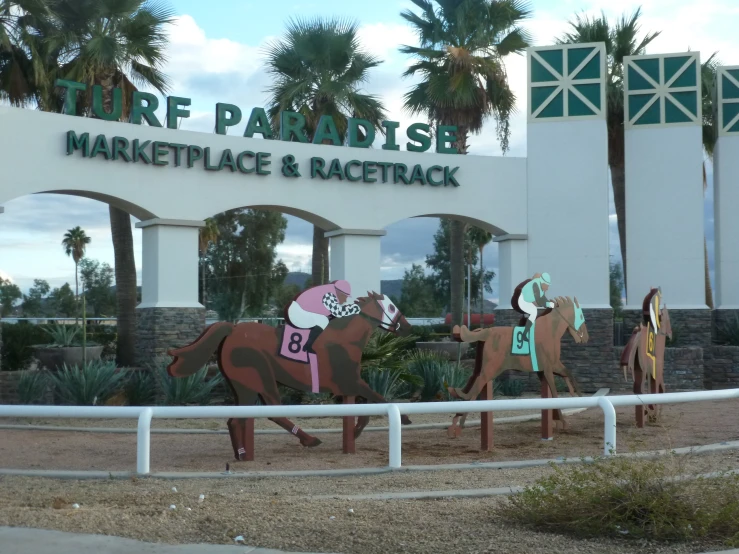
{"x":143,"y":441}
{"x":609,"y":426}
{"x":395,"y":446}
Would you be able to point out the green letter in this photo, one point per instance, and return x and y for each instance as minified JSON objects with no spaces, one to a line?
{"x":101,"y":145}
{"x":227,"y":160}
{"x":262,"y":162}
{"x":326,"y":130}
{"x":336,"y":169}
{"x":209,"y":167}
{"x":157,"y":150}
{"x":138,"y":110}
{"x":349,"y":176}
{"x":240,"y":162}
{"x":449,"y":176}
{"x":174,"y":111}
{"x":316,"y":168}
{"x":288,"y":129}
{"x":194,"y":153}
{"x":445,"y":134}
{"x":98,"y":108}
{"x":178,"y":148}
{"x":385,"y":166}
{"x":367,"y":170}
{"x":430,"y":179}
{"x":368,"y":130}
{"x":258,"y":124}
{"x":400,"y":170}
{"x":415,"y":135}
{"x":390,"y":127}
{"x":76,"y":143}
{"x":418,"y":175}
{"x":138,"y":151}
{"x":70,"y":95}
{"x":223,"y":110}
{"x":120,"y":148}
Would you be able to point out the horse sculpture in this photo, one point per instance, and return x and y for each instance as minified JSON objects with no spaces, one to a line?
{"x":497,"y":353}
{"x":644,"y":354}
{"x":254,"y":358}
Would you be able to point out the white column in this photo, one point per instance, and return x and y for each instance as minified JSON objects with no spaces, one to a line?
{"x":567,"y":161}
{"x":726,"y":188}
{"x":664,"y":192}
{"x":355,"y":257}
{"x":512,"y":267}
{"x":169,"y":263}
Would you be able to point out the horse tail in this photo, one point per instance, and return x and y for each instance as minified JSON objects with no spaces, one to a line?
{"x":191,"y":358}
{"x":478,"y":335}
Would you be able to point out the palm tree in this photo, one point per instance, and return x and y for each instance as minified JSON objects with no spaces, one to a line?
{"x":481,"y":239}
{"x":116,"y":43}
{"x":208,"y":234}
{"x":621,"y":39}
{"x":460,"y":55}
{"x":75,"y":242}
{"x":318,"y":68}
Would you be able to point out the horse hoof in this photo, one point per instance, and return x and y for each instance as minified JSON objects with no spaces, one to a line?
{"x":311,"y":442}
{"x":453,"y":431}
{"x":405,"y":420}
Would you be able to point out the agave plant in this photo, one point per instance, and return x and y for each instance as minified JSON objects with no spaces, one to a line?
{"x":90,"y":385}
{"x":437,"y":372}
{"x":178,"y":391}
{"x":32,"y":386}
{"x":140,"y":389}
{"x":62,"y":335}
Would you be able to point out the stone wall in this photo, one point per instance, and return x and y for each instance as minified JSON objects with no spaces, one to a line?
{"x":722,"y":367}
{"x":690,"y":327}
{"x":722,"y":318}
{"x":1,"y":343}
{"x":159,"y":329}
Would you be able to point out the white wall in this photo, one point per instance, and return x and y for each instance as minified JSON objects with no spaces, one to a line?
{"x":726,"y":201}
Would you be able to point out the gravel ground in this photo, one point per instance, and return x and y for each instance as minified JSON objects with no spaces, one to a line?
{"x":687,"y":424}
{"x":281,"y":513}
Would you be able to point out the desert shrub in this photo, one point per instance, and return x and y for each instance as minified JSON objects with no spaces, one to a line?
{"x":386,"y":382}
{"x":178,"y":391}
{"x":140,"y":389}
{"x":433,"y":370}
{"x":18,"y":341}
{"x":90,"y":385}
{"x":727,"y":333}
{"x":32,"y":387}
{"x":63,"y":335}
{"x":631,"y":499}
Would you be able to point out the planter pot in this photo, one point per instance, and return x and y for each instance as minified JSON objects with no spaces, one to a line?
{"x":53,"y":357}
{"x":447,"y":348}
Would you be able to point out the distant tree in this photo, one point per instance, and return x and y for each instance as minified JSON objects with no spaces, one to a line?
{"x":97,"y":282}
{"x":207,"y":236}
{"x":617,"y":287}
{"x":284,"y":294}
{"x":480,"y":239}
{"x":418,"y":298}
{"x":9,"y":294}
{"x":63,"y":301}
{"x":75,"y":243}
{"x":33,"y":302}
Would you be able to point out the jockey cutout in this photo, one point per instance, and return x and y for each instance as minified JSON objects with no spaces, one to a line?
{"x":532,"y":298}
{"x":313,"y":307}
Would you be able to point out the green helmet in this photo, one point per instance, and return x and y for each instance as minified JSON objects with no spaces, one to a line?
{"x":546,"y":278}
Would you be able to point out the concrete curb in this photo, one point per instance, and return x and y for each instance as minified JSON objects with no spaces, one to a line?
{"x":513,"y":464}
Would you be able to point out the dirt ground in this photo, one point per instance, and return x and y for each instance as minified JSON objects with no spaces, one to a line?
{"x":287,"y":514}
{"x":687,"y":424}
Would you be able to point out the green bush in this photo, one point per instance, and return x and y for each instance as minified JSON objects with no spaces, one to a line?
{"x":90,"y":385}
{"x":32,"y":387}
{"x":178,"y":391}
{"x":633,"y":499}
{"x":386,"y":382}
{"x":727,"y":333}
{"x":18,"y":341}
{"x":433,"y":370}
{"x":140,"y":389}
{"x":509,"y":387}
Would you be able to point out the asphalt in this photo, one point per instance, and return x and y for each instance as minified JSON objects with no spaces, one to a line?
{"x":20,"y":540}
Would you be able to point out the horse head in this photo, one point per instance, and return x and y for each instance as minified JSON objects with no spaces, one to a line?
{"x":665,"y":326}
{"x":570,"y":311}
{"x":380,"y":309}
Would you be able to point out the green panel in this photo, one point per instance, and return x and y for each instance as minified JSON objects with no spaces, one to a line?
{"x":576,"y":106}
{"x":734,"y":129}
{"x":575,"y":57}
{"x":731,"y":110}
{"x":553,"y":58}
{"x":651,"y":116}
{"x":637,"y":102}
{"x":539,"y":95}
{"x":539,"y":73}
{"x":687,"y":78}
{"x":650,"y":67}
{"x":687,"y":99}
{"x":729,"y":89}
{"x":555,"y":108}
{"x":591,"y":92}
{"x":672,"y":65}
{"x":734,"y":73}
{"x":673,"y":114}
{"x":637,"y":82}
{"x":591,"y":70}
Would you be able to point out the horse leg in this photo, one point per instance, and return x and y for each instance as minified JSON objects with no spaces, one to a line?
{"x":271,"y":396}
{"x":240,"y":430}
{"x":639,"y":409}
{"x":360,"y":388}
{"x":557,"y":415}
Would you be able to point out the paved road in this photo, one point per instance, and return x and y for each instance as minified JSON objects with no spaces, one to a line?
{"x":19,"y":540}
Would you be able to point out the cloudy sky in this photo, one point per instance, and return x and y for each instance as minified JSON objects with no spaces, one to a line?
{"x":216,"y":55}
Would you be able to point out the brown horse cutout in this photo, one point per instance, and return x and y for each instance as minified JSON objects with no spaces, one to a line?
{"x":248,"y":358}
{"x":644,"y":355}
{"x":496,"y":354}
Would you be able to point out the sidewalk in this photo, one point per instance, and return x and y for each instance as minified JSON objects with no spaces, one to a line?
{"x":21,"y":540}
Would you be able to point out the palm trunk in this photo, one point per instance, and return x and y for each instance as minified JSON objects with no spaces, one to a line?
{"x":319,"y":263}
{"x":76,"y":294}
{"x":709,"y":291}
{"x":482,"y":291}
{"x":125,"y":283}
{"x":618,"y":178}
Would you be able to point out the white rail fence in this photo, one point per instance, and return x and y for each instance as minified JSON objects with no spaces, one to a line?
{"x":392,"y":411}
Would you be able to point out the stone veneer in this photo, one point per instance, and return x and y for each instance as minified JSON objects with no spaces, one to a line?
{"x":1,"y":343}
{"x":722,"y":367}
{"x":159,"y":329}
{"x":690,"y":327}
